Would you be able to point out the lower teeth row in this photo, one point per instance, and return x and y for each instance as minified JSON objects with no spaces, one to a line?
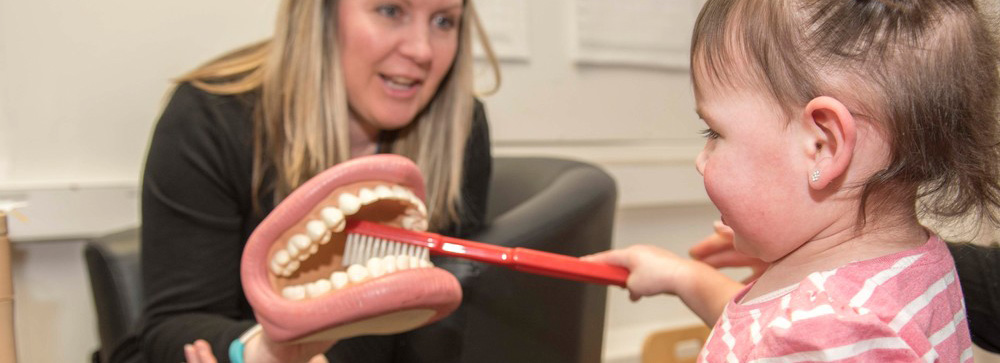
{"x":355,"y":274}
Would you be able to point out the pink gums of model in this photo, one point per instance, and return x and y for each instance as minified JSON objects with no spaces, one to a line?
{"x":288,"y":256}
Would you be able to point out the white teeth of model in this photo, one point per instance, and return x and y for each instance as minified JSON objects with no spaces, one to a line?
{"x":389,"y":264}
{"x":383,"y":192}
{"x":357,"y":273}
{"x":317,"y":231}
{"x":348,"y":203}
{"x":375,"y":267}
{"x":318,"y":288}
{"x":367,"y":196}
{"x":420,"y":225}
{"x":339,"y":279}
{"x":282,"y":257}
{"x":401,"y":193}
{"x":426,"y":264}
{"x":294,"y":292}
{"x":298,"y":246}
{"x":414,"y":262}
{"x":333,"y":218}
{"x":420,"y":205}
{"x":402,"y":262}
{"x":292,"y":267}
{"x":293,"y":248}
{"x":276,"y":268}
{"x":408,"y":222}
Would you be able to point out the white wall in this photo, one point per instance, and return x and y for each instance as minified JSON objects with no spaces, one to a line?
{"x":81,"y":84}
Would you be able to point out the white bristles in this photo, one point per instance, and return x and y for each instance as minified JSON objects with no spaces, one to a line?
{"x":359,"y":248}
{"x":349,"y":249}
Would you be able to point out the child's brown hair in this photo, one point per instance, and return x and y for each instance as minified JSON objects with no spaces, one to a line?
{"x":923,"y":72}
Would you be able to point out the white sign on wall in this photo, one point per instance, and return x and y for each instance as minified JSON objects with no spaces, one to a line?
{"x":506,"y":25}
{"x":650,"y":33}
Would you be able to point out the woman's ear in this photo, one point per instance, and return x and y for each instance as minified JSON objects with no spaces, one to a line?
{"x":831,"y":137}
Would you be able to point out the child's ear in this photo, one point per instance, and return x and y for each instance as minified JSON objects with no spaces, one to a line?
{"x":830,"y":139}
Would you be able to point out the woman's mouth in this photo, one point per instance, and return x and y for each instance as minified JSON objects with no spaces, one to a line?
{"x":400,"y":86}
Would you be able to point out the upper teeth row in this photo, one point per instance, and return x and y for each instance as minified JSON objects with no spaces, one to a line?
{"x":301,"y":246}
{"x":403,"y":81}
{"x":355,"y":273}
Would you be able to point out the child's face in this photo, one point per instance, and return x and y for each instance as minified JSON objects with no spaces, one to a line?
{"x":753,"y":169}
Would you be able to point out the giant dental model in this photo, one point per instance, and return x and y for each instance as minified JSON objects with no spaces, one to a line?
{"x":292,"y":270}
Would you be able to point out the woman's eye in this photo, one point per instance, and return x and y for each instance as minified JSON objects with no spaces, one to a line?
{"x":389,"y":11}
{"x":709,"y":134}
{"x":443,"y":22}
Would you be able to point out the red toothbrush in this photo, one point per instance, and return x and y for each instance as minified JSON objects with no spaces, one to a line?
{"x":366,"y":239}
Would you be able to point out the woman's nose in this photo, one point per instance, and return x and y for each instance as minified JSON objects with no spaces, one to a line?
{"x":416,"y":45}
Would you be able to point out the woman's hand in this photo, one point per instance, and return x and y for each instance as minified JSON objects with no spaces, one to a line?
{"x":261,"y":349}
{"x":717,"y":251}
{"x":201,"y":352}
{"x":652,"y":270}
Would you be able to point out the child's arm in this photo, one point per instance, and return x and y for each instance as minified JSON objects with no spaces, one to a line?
{"x":657,"y":271}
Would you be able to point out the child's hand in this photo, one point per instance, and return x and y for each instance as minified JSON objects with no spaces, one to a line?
{"x":652,"y":270}
{"x":717,"y":251}
{"x":655,"y":271}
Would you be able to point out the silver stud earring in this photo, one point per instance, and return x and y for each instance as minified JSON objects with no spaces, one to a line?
{"x":815,"y":175}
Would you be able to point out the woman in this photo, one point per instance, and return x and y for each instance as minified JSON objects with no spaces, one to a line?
{"x":338,"y":80}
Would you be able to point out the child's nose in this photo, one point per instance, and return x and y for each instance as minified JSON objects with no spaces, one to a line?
{"x":699,"y":162}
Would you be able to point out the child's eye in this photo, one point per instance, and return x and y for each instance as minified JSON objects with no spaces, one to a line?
{"x":709,"y":134}
{"x":389,"y":10}
{"x":443,"y":22}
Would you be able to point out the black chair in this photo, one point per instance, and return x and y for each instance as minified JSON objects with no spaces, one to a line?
{"x":548,"y":204}
{"x":115,"y":280}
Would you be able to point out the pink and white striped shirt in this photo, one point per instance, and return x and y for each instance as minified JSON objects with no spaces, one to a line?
{"x":904,"y":307}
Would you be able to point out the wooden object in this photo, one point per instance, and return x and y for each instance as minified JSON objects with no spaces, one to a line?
{"x":7,"y":354}
{"x":662,"y":346}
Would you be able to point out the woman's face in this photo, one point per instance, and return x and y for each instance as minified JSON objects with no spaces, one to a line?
{"x":394,"y":54}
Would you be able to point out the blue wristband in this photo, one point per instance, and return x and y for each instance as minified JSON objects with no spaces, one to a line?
{"x":239,"y":344}
{"x":236,"y":351}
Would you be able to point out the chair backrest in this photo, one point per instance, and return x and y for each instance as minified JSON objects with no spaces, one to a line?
{"x":553,"y":205}
{"x":680,"y":345}
{"x":113,"y":265}
{"x":548,"y":204}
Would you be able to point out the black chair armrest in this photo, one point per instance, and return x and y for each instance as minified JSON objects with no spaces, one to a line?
{"x":113,"y":266}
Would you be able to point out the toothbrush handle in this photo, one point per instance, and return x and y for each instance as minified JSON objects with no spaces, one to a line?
{"x":532,"y":261}
{"x":567,"y":267}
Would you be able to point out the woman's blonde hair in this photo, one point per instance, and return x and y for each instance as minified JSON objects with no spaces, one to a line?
{"x":301,"y":118}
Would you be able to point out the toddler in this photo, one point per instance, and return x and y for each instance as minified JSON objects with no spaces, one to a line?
{"x":827,"y":121}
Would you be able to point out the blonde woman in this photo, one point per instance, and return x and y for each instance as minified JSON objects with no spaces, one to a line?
{"x":339,"y":79}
